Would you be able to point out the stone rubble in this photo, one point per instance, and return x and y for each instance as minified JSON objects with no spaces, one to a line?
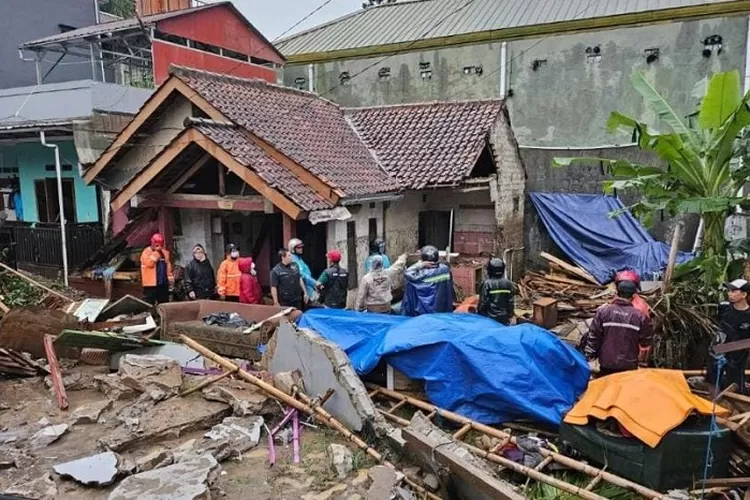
{"x":341,"y":459}
{"x":41,"y":488}
{"x":242,"y":433}
{"x":188,"y":480}
{"x":244,"y":399}
{"x":90,"y":413}
{"x":155,"y":460}
{"x":97,"y":470}
{"x":158,"y":376}
{"x":384,"y":483}
{"x":47,"y":435}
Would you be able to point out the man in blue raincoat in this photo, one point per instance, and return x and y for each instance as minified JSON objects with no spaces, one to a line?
{"x":428,"y":285}
{"x":297,"y":247}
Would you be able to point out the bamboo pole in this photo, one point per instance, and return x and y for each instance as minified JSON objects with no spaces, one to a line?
{"x":533,"y":474}
{"x":491,"y":431}
{"x":318,"y":412}
{"x":696,"y":373}
{"x":36,"y":283}
{"x":208,"y":382}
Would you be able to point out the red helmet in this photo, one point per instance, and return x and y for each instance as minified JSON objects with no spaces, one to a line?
{"x":157,"y":240}
{"x":628,"y":275}
{"x":334,"y":256}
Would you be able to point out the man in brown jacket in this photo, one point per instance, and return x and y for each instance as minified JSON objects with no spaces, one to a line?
{"x":618,"y":333}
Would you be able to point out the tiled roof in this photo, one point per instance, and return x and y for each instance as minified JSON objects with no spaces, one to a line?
{"x":427,"y":145}
{"x":409,"y":21}
{"x":236,"y":142}
{"x":308,"y":129}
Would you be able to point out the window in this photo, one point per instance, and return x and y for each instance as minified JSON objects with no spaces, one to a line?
{"x":63,"y":168}
{"x":372,"y":232}
{"x":434,"y":229}
{"x":351,"y":254}
{"x":47,"y":203}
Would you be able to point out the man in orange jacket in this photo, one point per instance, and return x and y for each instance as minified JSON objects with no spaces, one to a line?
{"x":156,"y":271}
{"x":228,"y":277}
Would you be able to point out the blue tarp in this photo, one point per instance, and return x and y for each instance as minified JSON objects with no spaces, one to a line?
{"x":471,"y":365}
{"x":581,"y":225}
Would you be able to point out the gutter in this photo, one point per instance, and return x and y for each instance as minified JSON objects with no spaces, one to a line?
{"x":357,"y":200}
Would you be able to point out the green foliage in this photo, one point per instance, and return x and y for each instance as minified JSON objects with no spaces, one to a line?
{"x":541,"y":491}
{"x":122,"y":8}
{"x":703,"y":173}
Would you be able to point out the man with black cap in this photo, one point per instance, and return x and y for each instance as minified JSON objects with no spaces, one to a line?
{"x":734,"y":324}
{"x":619,"y":333}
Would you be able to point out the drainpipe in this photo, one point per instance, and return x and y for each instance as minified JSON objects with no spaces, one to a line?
{"x":58,"y":173}
{"x":503,"y":69}
{"x":311,"y":77}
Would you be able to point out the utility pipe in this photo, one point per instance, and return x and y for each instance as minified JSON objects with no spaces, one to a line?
{"x":503,"y":70}
{"x":61,"y":204}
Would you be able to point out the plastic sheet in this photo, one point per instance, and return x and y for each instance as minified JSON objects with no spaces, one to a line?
{"x":583,"y":227}
{"x":470,"y":364}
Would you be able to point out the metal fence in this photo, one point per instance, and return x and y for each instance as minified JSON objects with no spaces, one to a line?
{"x":40,"y":245}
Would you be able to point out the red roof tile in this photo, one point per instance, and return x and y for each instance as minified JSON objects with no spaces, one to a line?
{"x":431,"y":144}
{"x":236,"y":142}
{"x":308,"y":129}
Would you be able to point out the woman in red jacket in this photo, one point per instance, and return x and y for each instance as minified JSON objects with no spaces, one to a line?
{"x":250,"y":292}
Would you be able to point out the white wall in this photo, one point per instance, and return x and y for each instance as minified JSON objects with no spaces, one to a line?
{"x":196,"y":228}
{"x":361,"y":215}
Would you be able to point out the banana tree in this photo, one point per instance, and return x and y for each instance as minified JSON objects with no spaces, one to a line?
{"x":700,"y":172}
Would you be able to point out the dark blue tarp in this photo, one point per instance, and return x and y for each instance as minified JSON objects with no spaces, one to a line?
{"x":471,"y":365}
{"x":583,"y":227}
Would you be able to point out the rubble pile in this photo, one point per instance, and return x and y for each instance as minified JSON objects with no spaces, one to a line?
{"x":576,"y":298}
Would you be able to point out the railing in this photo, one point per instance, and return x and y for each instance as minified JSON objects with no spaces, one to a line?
{"x":40,"y":245}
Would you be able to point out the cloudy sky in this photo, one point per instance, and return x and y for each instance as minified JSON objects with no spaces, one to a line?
{"x":274,"y":17}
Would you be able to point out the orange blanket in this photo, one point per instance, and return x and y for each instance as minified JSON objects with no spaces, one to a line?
{"x":648,"y":403}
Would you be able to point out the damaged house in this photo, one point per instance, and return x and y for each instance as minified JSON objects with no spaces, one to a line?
{"x":223,"y":159}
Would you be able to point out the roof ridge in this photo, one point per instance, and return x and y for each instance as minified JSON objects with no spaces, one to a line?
{"x":426,"y":103}
{"x":192,"y":120}
{"x":177,"y":70}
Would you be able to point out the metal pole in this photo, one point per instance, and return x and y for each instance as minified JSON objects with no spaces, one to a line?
{"x":61,"y":204}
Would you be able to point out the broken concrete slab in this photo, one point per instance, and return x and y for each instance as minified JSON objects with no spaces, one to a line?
{"x":96,"y":470}
{"x":41,"y":488}
{"x":285,"y":381}
{"x":245,"y":399}
{"x":170,"y":418}
{"x":439,"y":454}
{"x":188,"y":480}
{"x":90,"y":413}
{"x":155,"y":460}
{"x":47,"y":435}
{"x":384,"y":483}
{"x":184,"y":355}
{"x":156,"y":375}
{"x":323,"y":365}
{"x":111,"y":386}
{"x":341,"y":459}
{"x":242,"y":432}
{"x":16,"y":457}
{"x":125,"y":305}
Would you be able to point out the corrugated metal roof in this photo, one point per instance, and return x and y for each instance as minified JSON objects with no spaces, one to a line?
{"x":423,"y":19}
{"x":114,"y":26}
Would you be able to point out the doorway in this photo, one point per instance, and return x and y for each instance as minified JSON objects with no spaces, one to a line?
{"x":434,"y":228}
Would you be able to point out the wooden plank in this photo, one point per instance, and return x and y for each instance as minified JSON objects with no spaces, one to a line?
{"x":55,"y":373}
{"x":728,"y":481}
{"x":740,"y":345}
{"x":206,"y":202}
{"x":189,"y":173}
{"x":574,"y":270}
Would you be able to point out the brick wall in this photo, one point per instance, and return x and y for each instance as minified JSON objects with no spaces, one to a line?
{"x":473,"y":242}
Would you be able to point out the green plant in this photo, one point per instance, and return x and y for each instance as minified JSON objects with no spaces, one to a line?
{"x":701,"y":173}
{"x":122,"y":8}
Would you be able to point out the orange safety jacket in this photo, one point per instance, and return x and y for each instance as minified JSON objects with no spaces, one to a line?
{"x":148,"y":266}
{"x":228,"y":278}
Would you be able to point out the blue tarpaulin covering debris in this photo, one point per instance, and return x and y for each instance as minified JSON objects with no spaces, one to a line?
{"x":470,"y":364}
{"x":583,"y":227}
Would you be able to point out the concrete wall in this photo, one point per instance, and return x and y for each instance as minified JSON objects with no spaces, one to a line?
{"x":26,"y":21}
{"x":196,"y":228}
{"x":361,"y":215}
{"x":566,"y":101}
{"x":32,"y":159}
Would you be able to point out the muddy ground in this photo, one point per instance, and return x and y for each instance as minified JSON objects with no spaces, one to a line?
{"x":27,"y":405}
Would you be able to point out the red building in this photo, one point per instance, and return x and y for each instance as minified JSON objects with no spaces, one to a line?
{"x":139,"y":51}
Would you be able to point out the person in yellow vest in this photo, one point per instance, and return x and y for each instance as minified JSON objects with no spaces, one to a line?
{"x":156,"y":271}
{"x":229,"y":275}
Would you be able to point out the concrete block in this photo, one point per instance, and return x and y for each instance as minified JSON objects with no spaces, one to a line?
{"x":323,"y":365}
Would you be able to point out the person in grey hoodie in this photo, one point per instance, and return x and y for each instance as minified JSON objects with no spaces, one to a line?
{"x":375,"y":289}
